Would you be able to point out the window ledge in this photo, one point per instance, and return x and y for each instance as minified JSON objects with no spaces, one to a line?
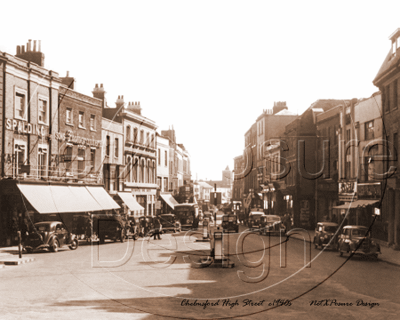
{"x":80,"y":127}
{"x":69,"y":124}
{"x":43,"y":123}
{"x":94,"y":130}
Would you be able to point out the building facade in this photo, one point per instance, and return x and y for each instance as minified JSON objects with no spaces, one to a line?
{"x":139,"y":173}
{"x":388,"y":82}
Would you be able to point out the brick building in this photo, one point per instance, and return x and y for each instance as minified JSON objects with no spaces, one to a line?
{"x":388,"y":82}
{"x":139,"y":175}
{"x":79,"y":135}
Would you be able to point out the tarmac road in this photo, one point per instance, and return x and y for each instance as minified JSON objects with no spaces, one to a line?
{"x":160,"y":279}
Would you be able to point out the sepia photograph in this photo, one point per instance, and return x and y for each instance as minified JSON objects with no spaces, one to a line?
{"x":199,"y":159}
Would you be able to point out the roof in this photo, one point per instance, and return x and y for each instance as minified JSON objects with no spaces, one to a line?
{"x":285,"y":112}
{"x":388,"y":65}
{"x":205,"y":185}
{"x":330,"y":224}
{"x":355,"y":227}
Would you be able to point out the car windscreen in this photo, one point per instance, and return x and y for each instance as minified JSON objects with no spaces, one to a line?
{"x":273,"y":219}
{"x":42,"y":227}
{"x":331,"y":229}
{"x":359,"y":232}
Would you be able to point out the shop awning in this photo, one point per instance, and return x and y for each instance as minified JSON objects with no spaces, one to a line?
{"x":130,"y":201}
{"x":39,"y":197}
{"x":59,"y":199}
{"x":356,"y":204}
{"x":103,"y":198}
{"x":169,"y":199}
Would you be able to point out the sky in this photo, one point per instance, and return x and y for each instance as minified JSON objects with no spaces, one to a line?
{"x":209,"y":68}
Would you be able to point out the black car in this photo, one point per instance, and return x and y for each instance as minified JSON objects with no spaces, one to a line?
{"x":50,"y":235}
{"x":169,"y":222}
{"x":111,"y":227}
{"x":230,"y":223}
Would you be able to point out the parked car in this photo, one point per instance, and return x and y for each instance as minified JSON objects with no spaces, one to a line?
{"x":324,"y":232}
{"x":272,"y":224}
{"x":357,"y":240}
{"x":112,"y":227}
{"x":50,"y":235}
{"x":255,"y":219}
{"x":230,"y":223}
{"x":169,"y":223}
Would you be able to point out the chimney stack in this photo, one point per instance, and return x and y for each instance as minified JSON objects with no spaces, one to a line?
{"x":68,"y":81}
{"x":31,"y":55}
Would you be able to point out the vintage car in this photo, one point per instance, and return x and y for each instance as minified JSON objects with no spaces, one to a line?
{"x":324,"y":232}
{"x":230,"y":223}
{"x":50,"y":235}
{"x":169,"y":223}
{"x":357,"y":240}
{"x":255,"y":219}
{"x":110,"y":227}
{"x":272,"y":224}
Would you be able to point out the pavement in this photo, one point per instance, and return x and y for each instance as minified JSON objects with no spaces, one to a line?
{"x":9,"y":255}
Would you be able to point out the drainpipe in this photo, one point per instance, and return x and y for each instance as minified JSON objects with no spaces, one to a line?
{"x":3,"y":139}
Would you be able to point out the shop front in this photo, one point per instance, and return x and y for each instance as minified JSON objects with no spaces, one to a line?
{"x":24,"y":203}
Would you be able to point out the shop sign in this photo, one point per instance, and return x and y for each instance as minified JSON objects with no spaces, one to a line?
{"x":23,"y":127}
{"x":68,"y":136}
{"x":369,"y":190}
{"x":347,"y":191}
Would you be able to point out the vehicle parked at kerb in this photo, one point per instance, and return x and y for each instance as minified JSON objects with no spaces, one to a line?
{"x":169,"y":223}
{"x":186,"y":214}
{"x":50,"y":235}
{"x":230,"y":223}
{"x":272,"y":224}
{"x":326,"y":235}
{"x":357,"y":240}
{"x":110,"y":227}
{"x":255,"y":219}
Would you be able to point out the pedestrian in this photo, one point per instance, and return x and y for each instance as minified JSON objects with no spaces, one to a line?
{"x":157,"y":228}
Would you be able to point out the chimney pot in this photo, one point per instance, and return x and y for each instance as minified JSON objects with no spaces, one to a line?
{"x":101,"y":85}
{"x":29,"y":45}
{"x":40,"y":49}
{"x":18,"y":50}
{"x":122,"y":97}
{"x":34,"y":45}
{"x":67,"y":73}
{"x":22,"y":49}
{"x":96,"y":86}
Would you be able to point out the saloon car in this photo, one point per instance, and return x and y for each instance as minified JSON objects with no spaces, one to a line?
{"x":357,"y":240}
{"x":230,"y":223}
{"x":254,"y":220}
{"x":326,"y":235}
{"x":50,"y":235}
{"x":169,"y":223}
{"x":272,"y":224}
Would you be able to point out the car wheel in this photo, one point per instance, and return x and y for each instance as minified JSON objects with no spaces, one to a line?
{"x":375,"y":256}
{"x":174,"y":231}
{"x":74,"y":244}
{"x":29,"y":250}
{"x":102,"y":240}
{"x":122,"y":238}
{"x":54,"y":247}
{"x":341,"y":253}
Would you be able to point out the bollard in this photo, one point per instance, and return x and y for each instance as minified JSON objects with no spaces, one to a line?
{"x":19,"y":244}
